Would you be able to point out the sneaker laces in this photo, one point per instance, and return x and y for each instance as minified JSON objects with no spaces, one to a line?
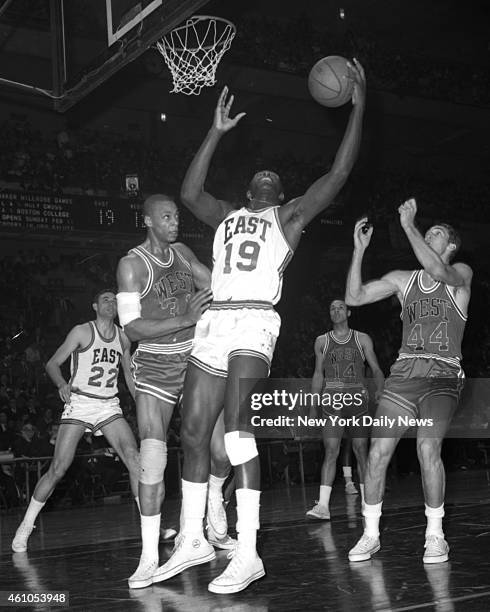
{"x":236,"y":564}
{"x":24,"y":529}
{"x":215,"y":504}
{"x":365,"y":543}
{"x":434,"y":541}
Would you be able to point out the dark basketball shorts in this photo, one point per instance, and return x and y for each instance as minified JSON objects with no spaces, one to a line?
{"x":346,"y":405}
{"x":413,"y":381}
{"x":160,"y":375}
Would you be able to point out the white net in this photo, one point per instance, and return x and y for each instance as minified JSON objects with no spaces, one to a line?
{"x":193,"y":51}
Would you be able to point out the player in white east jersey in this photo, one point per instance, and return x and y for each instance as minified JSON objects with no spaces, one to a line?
{"x":235,"y":337}
{"x":97,"y":349}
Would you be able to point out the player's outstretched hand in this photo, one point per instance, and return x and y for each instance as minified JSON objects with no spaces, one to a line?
{"x":65,"y":392}
{"x":362,"y":233}
{"x":222,"y":121}
{"x":198,"y":303}
{"x":359,"y":78}
{"x":407,"y":211}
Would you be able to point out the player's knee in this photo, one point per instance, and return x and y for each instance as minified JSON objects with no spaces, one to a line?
{"x":58,"y":469}
{"x":428,"y":450}
{"x":193,"y":439}
{"x":240,"y":447}
{"x":153,"y":460}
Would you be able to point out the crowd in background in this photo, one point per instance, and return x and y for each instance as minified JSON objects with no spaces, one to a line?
{"x":93,"y":162}
{"x":266,"y":43}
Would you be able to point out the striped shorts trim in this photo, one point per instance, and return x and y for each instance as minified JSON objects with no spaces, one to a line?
{"x":249,"y":353}
{"x":207,"y":368}
{"x":166,"y":349}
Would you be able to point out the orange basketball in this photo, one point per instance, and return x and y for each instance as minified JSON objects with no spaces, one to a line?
{"x":329,"y":81}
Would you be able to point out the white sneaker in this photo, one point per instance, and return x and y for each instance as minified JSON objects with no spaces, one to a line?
{"x":19,"y":543}
{"x":189,"y":551}
{"x":364,"y":549}
{"x":350,"y":488}
{"x":226,"y":543}
{"x":216,"y":517}
{"x":436,"y":549}
{"x":319,"y":511}
{"x":240,"y":572}
{"x":143,"y":576}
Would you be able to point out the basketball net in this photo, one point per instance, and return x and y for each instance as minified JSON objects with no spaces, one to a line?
{"x":193,"y":51}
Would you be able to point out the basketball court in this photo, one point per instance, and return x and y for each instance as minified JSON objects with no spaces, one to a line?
{"x":90,"y":552}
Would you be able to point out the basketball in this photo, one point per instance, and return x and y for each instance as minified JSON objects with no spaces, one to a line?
{"x":329,"y":81}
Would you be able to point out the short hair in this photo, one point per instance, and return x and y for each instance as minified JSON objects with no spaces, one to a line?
{"x":150,"y":201}
{"x":95,"y":299}
{"x":337,"y":299}
{"x":453,"y":237}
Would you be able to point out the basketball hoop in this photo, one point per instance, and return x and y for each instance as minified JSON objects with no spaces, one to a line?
{"x":193,"y":51}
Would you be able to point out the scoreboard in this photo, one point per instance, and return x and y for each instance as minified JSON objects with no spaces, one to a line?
{"x":44,"y":212}
{"x":40,"y":211}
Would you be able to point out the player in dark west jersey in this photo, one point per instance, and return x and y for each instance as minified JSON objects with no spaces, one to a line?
{"x":158,"y":306}
{"x":339,"y":378}
{"x":425,"y":380}
{"x":236,"y":336}
{"x":97,"y":349}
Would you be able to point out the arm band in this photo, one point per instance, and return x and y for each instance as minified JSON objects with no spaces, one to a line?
{"x":128,"y":306}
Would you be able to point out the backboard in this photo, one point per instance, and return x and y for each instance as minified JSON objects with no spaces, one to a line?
{"x":64,"y":49}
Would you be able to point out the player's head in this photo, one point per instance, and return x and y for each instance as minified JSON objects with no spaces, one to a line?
{"x":104,"y":304}
{"x":266,"y":186}
{"x":444,"y":240}
{"x":339,"y":312}
{"x":161,"y":217}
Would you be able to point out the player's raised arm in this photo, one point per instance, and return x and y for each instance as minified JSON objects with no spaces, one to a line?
{"x":129,"y":307}
{"x":74,"y":340}
{"x":357,"y":293}
{"x":298,"y":213}
{"x":457,"y":275}
{"x":206,"y":207}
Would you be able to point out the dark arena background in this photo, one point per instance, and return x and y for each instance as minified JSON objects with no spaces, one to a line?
{"x":89,"y":129}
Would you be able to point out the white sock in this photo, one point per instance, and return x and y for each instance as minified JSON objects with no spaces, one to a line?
{"x":32,"y":511}
{"x":361,"y":487}
{"x":434,"y":521}
{"x":325,"y":492}
{"x":137,"y":500}
{"x":248,"y":505}
{"x":347,"y":471}
{"x":215,"y":489}
{"x":150,"y":535}
{"x":193,"y":506}
{"x":372,"y":514}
